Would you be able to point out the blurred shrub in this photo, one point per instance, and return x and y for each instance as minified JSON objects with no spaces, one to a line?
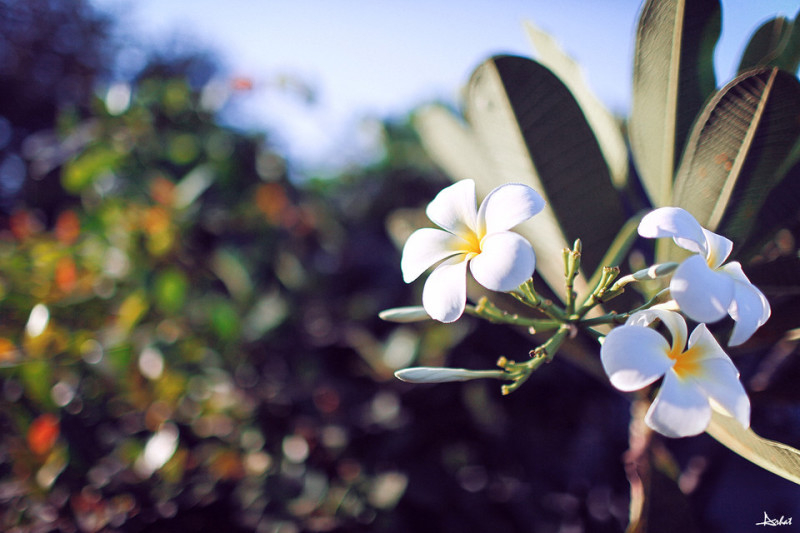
{"x":189,"y":339}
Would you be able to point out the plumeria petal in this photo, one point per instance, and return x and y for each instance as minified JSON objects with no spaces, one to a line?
{"x":424,"y":248}
{"x":704,"y":346}
{"x":720,"y":381}
{"x":506,"y":261}
{"x":716,"y":374}
{"x":634,"y":357}
{"x":680,"y":408}
{"x":718,"y":248}
{"x":703,"y":294}
{"x":444,"y":295}
{"x":676,"y":223}
{"x":506,"y":206}
{"x":749,"y":308}
{"x":454,"y":208}
{"x":673,"y":321}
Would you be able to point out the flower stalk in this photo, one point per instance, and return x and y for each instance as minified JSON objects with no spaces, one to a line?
{"x":544,"y":353}
{"x":572,"y":266}
{"x":487,"y":310}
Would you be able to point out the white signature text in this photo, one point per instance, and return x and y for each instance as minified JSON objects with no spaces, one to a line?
{"x":775,"y":521}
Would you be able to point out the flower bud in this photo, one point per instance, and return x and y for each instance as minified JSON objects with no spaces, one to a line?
{"x":430,"y":374}
{"x":404,"y":314}
{"x":655,"y":271}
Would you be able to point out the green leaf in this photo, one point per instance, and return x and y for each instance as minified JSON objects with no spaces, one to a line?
{"x":775,"y":43}
{"x":737,"y":151}
{"x":775,"y":457}
{"x":87,"y":167}
{"x":451,"y":143}
{"x":193,"y":184}
{"x":37,"y":378}
{"x":605,"y":126}
{"x":673,"y":75}
{"x":182,"y":148}
{"x":119,"y":358}
{"x":532,"y":129}
{"x":765,"y":44}
{"x":523,"y":125}
{"x":224,"y":320}
{"x":171,"y":287}
{"x":230,"y":268}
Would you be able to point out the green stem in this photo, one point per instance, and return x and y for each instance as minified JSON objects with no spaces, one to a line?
{"x":520,"y":372}
{"x":487,"y":310}
{"x":545,"y":306}
{"x":660,"y":297}
{"x":610,"y":318}
{"x":601,"y":292}
{"x":572,"y":265}
{"x":619,"y":247}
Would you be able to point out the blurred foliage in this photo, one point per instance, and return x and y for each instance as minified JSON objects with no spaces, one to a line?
{"x":189,"y":339}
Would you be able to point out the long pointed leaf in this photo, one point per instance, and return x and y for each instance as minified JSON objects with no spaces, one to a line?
{"x":775,"y":43}
{"x":738,"y":151}
{"x":605,"y":127}
{"x":766,"y":44}
{"x":451,"y":143}
{"x":673,"y":75}
{"x":775,"y":457}
{"x":533,"y":131}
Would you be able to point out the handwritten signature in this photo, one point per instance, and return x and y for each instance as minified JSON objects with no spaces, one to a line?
{"x":775,"y":521}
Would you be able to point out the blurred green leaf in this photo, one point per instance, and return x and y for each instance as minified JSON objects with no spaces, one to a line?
{"x":132,"y":309}
{"x":193,"y":184}
{"x":738,"y":151}
{"x":37,"y":378}
{"x":183,"y":148}
{"x":775,"y":43}
{"x":605,"y":126}
{"x":224,"y":320}
{"x":673,"y":75}
{"x":524,"y":126}
{"x":88,"y":167}
{"x":229,"y":267}
{"x":171,"y":287}
{"x":176,"y":96}
{"x":119,"y":358}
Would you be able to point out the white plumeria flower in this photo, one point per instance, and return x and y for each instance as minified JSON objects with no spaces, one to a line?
{"x":635,"y":356}
{"x":705,"y":288}
{"x":498,"y":259}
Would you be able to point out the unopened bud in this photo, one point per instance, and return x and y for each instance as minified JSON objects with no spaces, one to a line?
{"x":646,"y":274}
{"x":430,"y":374}
{"x":655,"y":271}
{"x":404,"y":314}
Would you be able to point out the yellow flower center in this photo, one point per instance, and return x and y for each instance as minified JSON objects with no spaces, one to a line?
{"x":473,"y":245}
{"x":687,"y":363}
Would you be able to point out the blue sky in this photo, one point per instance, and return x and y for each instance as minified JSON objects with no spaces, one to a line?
{"x":373,"y":58}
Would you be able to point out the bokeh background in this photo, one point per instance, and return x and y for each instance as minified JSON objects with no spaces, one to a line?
{"x":189,"y":294}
